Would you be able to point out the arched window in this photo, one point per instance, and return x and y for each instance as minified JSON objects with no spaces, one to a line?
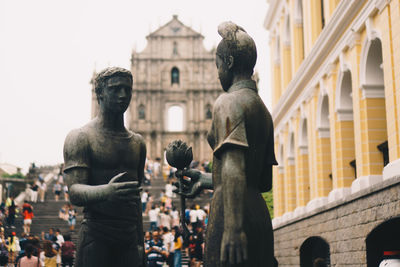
{"x":142,"y":112}
{"x":344,"y":101}
{"x":208,"y":112}
{"x":303,"y":134}
{"x":174,"y":75}
{"x":175,"y":119}
{"x":314,"y":250}
{"x":384,"y":237}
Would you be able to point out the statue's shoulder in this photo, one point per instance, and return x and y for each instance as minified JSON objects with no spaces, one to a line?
{"x":136,"y":137}
{"x":79,"y":137}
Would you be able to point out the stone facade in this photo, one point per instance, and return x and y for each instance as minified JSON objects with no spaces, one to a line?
{"x":174,"y":71}
{"x":344,"y":225}
{"x":336,"y":89}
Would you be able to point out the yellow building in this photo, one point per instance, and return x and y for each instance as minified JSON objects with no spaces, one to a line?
{"x":336,"y":108}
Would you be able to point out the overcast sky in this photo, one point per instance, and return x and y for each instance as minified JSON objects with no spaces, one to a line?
{"x":50,"y":48}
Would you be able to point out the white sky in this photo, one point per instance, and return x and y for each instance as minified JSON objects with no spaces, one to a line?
{"x":50,"y":48}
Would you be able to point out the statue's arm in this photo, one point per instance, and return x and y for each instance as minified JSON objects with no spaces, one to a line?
{"x":234,"y":241}
{"x":82,"y":194}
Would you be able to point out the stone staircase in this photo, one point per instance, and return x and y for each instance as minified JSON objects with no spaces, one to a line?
{"x":155,"y":189}
{"x":46,"y":216}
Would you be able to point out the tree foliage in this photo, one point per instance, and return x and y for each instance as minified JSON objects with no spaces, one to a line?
{"x":270,"y":202}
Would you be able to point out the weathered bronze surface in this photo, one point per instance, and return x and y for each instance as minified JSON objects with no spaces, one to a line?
{"x":239,"y":232}
{"x":104,"y":167}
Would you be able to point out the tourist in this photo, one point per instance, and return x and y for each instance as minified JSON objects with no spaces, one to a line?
{"x":199,"y":246}
{"x":27,"y":212}
{"x":29,"y":260}
{"x":144,"y":198}
{"x":175,"y":217}
{"x":34,"y":193}
{"x":13,"y":248}
{"x":168,"y":240}
{"x":57,"y":190}
{"x":11,"y":212}
{"x":60,"y":238}
{"x":177,"y":247}
{"x":153,"y":217}
{"x":193,"y":217}
{"x":67,"y":252}
{"x":71,"y":217}
{"x":63,"y":212}
{"x":49,"y":236}
{"x":201,"y":215}
{"x":66,"y":195}
{"x":42,"y":190}
{"x":3,"y":251}
{"x":49,"y":255}
{"x":165,"y":219}
{"x":155,"y":251}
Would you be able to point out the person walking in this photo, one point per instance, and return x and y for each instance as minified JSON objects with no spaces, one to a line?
{"x":27,"y":213}
{"x":34,"y":193}
{"x":57,"y":190}
{"x":42,"y":190}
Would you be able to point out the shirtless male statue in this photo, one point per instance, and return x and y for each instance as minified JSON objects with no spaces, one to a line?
{"x":104,"y":167}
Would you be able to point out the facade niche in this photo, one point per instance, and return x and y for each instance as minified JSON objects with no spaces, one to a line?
{"x":175,"y":76}
{"x":208,"y":112}
{"x":142,"y":112}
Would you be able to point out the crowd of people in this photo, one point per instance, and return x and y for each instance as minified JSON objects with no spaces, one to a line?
{"x":164,"y":243}
{"x":52,"y":249}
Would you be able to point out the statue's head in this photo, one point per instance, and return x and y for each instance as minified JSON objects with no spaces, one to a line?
{"x":236,"y":53}
{"x":113,"y":87}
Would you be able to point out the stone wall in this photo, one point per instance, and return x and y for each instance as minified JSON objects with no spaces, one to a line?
{"x":344,"y":225}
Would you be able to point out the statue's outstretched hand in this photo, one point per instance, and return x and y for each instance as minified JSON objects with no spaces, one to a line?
{"x":191,"y":187}
{"x":123,"y":191}
{"x":233,"y":247}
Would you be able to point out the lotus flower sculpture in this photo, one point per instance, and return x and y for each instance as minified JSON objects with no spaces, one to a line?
{"x":179,"y":155}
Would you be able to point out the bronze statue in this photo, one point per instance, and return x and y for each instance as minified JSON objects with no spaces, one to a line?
{"x":104,"y":167}
{"x":239,"y":231}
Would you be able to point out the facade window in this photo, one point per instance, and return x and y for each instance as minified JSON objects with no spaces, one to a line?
{"x":174,"y":75}
{"x":142,"y":112}
{"x":208,"y":112}
{"x":314,"y":252}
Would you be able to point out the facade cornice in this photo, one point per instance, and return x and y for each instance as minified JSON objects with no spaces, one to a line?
{"x":334,"y":38}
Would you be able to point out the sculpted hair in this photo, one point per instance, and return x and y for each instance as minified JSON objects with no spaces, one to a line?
{"x":104,"y":75}
{"x":238,"y":44}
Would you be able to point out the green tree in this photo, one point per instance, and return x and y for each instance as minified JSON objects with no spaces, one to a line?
{"x":270,"y":202}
